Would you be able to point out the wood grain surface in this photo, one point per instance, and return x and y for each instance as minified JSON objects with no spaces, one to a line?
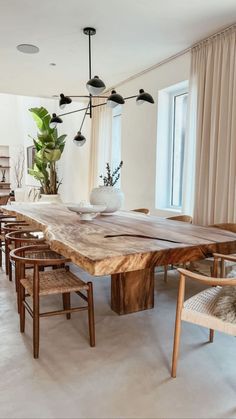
{"x":125,"y":241}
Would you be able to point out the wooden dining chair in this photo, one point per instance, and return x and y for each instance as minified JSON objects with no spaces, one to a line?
{"x":21,"y":238}
{"x":142,"y":210}
{"x":199,"y":309}
{"x":4,"y":218}
{"x":7,"y":228}
{"x":4,"y":199}
{"x":37,"y":284}
{"x":184,"y":219}
{"x":205,"y":266}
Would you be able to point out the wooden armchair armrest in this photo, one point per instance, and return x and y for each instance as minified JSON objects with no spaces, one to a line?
{"x":207,"y":280}
{"x":41,"y":255}
{"x":231,"y":258}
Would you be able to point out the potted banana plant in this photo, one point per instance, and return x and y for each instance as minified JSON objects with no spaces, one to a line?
{"x":49,"y":148}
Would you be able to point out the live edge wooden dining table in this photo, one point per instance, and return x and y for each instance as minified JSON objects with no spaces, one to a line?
{"x":126,"y":245}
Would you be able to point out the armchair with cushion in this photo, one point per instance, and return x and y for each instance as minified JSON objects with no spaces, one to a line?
{"x":211,"y":308}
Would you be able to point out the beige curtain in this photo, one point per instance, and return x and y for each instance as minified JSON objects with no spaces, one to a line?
{"x":101,"y":131}
{"x":213,"y":75}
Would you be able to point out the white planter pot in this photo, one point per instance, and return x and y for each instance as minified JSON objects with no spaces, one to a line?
{"x":19,"y":194}
{"x":51,"y":199}
{"x":112,"y":197}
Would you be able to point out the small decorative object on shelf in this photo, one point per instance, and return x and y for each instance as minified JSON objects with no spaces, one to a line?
{"x":107,"y":195}
{"x":12,"y":196}
{"x":3,"y":175}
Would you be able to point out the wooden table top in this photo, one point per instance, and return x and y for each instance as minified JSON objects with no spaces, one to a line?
{"x":125,"y":241}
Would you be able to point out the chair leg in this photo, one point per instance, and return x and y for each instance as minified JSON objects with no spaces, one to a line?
{"x":211,"y":335}
{"x":10,"y":270}
{"x":66,"y":303}
{"x":176,"y":346}
{"x":6,"y":257}
{"x":91,"y":314}
{"x":0,"y":253}
{"x":165,"y":273}
{"x":17,"y":283}
{"x":36,"y":326}
{"x":18,"y":299}
{"x":21,"y":292}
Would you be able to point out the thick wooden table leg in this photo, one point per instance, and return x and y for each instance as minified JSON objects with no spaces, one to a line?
{"x":132,"y":291}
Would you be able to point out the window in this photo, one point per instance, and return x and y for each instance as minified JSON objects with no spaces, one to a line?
{"x":179,"y":109}
{"x":171,"y":133}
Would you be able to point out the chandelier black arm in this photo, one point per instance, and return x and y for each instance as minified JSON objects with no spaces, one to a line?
{"x":130,"y":97}
{"x":88,"y":96}
{"x":82,"y":109}
{"x":93,"y":106}
{"x":102,"y":97}
{"x":85,"y":113}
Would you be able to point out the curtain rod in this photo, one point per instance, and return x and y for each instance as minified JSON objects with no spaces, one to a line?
{"x":214,"y":35}
{"x":172,"y":57}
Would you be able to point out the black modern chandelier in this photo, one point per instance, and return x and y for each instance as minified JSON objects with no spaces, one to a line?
{"x":95,"y":87}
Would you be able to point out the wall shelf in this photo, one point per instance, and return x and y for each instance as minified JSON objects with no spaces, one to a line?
{"x":5,"y":171}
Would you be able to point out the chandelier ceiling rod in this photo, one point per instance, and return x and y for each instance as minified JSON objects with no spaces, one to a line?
{"x":90,"y":32}
{"x":95,"y":87}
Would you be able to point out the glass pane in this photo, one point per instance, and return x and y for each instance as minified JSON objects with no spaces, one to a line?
{"x":179,"y":131}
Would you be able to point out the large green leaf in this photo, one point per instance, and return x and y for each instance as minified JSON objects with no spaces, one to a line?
{"x":38,"y":115}
{"x":45,"y":137}
{"x":52,"y":155}
{"x":37,"y":145}
{"x":36,"y":174}
{"x":61,"y":147}
{"x":61,"y":139}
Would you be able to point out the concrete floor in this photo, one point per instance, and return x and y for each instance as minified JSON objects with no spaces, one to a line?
{"x":127,"y":375}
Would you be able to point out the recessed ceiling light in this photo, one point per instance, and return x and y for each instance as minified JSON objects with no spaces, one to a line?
{"x":52,"y":64}
{"x":28,"y":49}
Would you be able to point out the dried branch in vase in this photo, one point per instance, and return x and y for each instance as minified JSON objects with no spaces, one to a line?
{"x":19,"y":165}
{"x":111,"y":178}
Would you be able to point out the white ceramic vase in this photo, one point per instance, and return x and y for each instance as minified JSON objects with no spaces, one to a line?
{"x":19,"y":194}
{"x":51,"y":199}
{"x":112,"y":197}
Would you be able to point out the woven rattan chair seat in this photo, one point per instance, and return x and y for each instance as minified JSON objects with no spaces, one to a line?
{"x":199,"y":310}
{"x":56,"y":281}
{"x":41,"y":254}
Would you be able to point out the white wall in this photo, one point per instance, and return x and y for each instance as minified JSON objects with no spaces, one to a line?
{"x":139,"y":133}
{"x":75,"y":162}
{"x":16,"y":126}
{"x":139,"y":137}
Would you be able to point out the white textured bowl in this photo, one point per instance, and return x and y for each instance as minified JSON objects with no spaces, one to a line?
{"x":87,"y":213}
{"x":109,"y":196}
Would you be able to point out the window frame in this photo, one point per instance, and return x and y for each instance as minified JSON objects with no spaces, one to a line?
{"x":164,"y":149}
{"x":172,"y":128}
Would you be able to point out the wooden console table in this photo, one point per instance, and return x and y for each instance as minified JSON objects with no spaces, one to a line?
{"x":126,"y":245}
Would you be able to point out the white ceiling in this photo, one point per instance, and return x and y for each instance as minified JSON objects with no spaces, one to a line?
{"x":131,"y":36}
